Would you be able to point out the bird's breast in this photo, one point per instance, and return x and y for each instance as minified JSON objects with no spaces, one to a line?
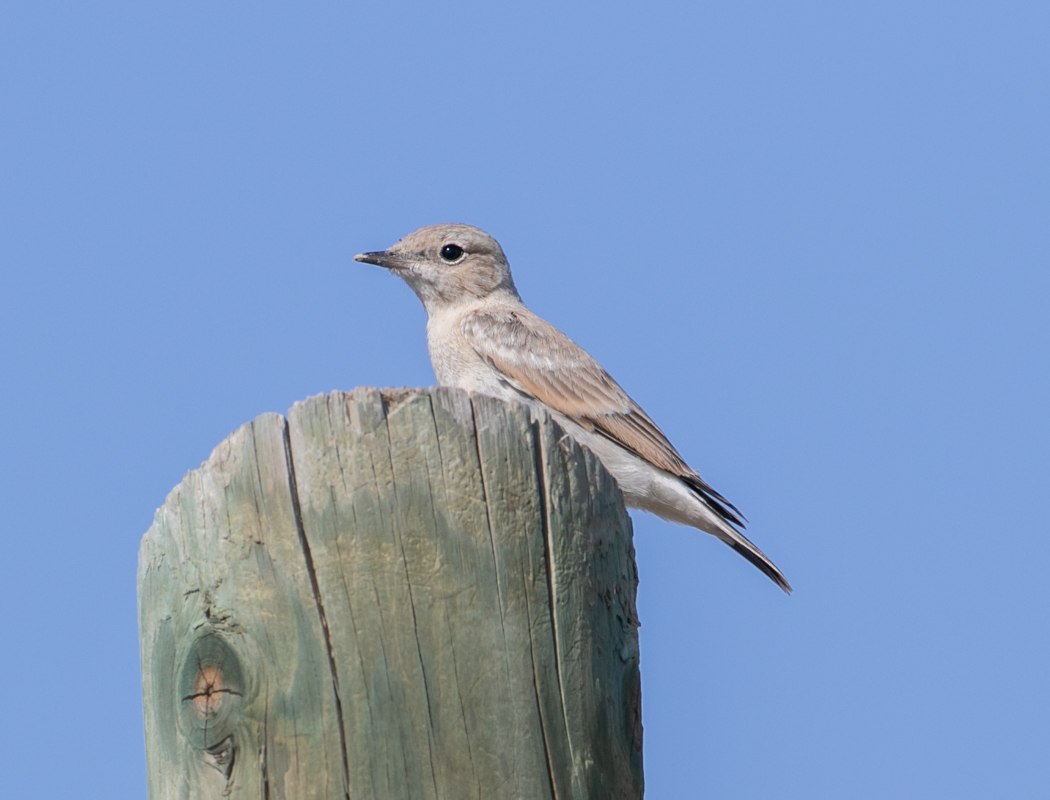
{"x":455,"y":362}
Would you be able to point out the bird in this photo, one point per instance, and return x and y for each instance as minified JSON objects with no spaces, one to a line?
{"x":482,"y":338}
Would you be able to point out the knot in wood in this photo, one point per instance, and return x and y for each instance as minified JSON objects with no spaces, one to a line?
{"x":208,"y":691}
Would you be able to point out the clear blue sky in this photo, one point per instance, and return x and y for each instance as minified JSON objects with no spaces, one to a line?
{"x":811,"y":239}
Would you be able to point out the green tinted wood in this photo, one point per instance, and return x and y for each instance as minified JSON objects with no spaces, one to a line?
{"x":407,"y":594}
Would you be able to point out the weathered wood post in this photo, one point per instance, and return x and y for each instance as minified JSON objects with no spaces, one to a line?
{"x":398,"y":594}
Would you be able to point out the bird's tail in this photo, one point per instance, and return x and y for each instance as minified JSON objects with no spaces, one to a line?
{"x":743,"y":545}
{"x":727,"y":519}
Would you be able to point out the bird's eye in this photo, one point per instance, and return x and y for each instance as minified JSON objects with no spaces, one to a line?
{"x":451,"y":253}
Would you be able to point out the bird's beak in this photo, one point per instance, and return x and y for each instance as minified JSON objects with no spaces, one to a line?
{"x":383,"y":258}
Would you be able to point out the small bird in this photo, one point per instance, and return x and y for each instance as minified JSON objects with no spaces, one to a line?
{"x":482,"y":338}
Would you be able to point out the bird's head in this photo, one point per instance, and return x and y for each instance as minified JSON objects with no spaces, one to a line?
{"x":446,"y":264}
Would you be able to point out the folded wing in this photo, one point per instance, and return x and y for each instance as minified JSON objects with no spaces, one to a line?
{"x":538,"y":360}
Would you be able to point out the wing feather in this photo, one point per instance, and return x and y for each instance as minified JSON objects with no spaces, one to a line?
{"x":540,"y":361}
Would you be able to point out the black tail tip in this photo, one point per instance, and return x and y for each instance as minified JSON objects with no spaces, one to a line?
{"x":765,"y":565}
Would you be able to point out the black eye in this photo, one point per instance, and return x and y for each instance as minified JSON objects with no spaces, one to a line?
{"x":451,"y":252}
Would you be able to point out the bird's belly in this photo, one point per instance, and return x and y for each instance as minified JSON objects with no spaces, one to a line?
{"x":644,"y":486}
{"x":634,"y":476}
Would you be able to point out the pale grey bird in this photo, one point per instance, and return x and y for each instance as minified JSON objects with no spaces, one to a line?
{"x":483,"y":339}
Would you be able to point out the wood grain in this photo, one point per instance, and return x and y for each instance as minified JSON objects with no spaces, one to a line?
{"x":397,"y":594}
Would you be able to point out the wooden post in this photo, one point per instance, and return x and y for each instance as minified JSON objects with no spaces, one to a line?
{"x":398,"y":594}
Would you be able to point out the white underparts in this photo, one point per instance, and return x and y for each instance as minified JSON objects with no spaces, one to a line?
{"x":647,"y":487}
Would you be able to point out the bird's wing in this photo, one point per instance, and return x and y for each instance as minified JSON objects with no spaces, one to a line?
{"x":540,"y":361}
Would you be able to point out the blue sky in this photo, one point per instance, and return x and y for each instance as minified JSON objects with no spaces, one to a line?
{"x":810,"y":239}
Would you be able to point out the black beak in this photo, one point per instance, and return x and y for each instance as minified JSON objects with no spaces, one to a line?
{"x":383,"y":258}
